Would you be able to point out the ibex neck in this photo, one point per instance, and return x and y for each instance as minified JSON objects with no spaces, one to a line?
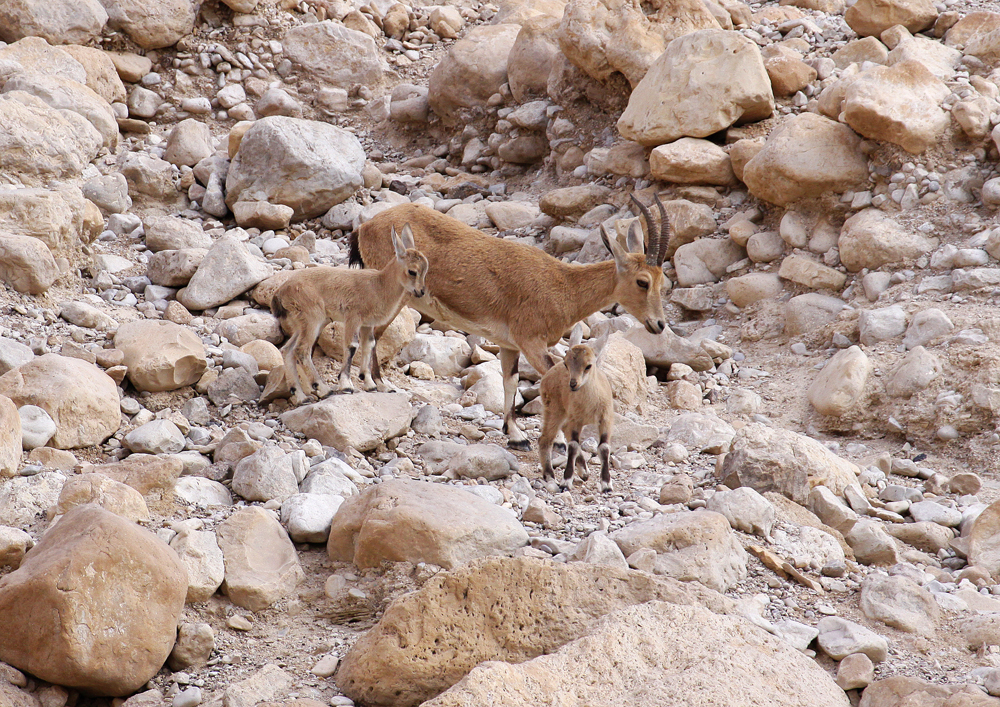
{"x":590,"y":288}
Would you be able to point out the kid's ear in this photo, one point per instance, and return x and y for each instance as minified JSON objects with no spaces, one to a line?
{"x":600,"y":347}
{"x":397,"y":244}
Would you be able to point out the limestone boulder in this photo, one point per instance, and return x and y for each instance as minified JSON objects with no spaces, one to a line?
{"x":698,"y":547}
{"x":805,"y":157}
{"x":262,"y":566}
{"x":305,"y":164}
{"x":806,"y":313}
{"x":79,"y":397}
{"x":174,"y":233}
{"x":152,"y":476}
{"x":308,"y":516}
{"x":174,"y":268}
{"x":361,"y":421}
{"x":98,"y":570}
{"x":899,"y":602}
{"x":105,"y":492}
{"x":189,"y":143}
{"x":516,"y":609}
{"x":705,"y":261}
{"x":36,"y":55}
{"x":56,"y":217}
{"x":269,"y":473}
{"x":839,"y":387}
{"x":414,"y":521}
{"x":872,"y":238}
{"x":772,"y":459}
{"x":691,"y":161}
{"x":744,"y":290}
{"x":531,"y":59}
{"x":101,"y":74}
{"x":334,"y":55}
{"x":915,"y":372}
{"x":657,"y":641}
{"x":699,"y":432}
{"x":899,"y":104}
{"x":703,"y":83}
{"x":10,"y":438}
{"x":24,"y":498}
{"x":472,"y":71}
{"x":667,"y":348}
{"x":602,"y":37}
{"x":228,"y":270}
{"x":26,"y":264}
{"x":199,"y":551}
{"x":624,"y":365}
{"x":161,"y":355}
{"x":60,"y":22}
{"x":984,"y":540}
{"x":873,"y":17}
{"x":152,"y":25}
{"x":447,"y":355}
{"x":469,"y":461}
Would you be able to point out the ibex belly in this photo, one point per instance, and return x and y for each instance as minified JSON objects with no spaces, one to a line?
{"x":496,"y":332}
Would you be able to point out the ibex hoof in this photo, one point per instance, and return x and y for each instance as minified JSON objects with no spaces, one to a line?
{"x":520,"y":445}
{"x":559,"y":449}
{"x":566,"y":485}
{"x":606,"y":487}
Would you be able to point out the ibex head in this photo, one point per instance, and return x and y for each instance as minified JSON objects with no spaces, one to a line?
{"x":640,"y":272}
{"x":580,"y":361}
{"x":412,"y":262}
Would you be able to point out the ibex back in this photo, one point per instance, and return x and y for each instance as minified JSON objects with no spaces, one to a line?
{"x":362,"y":300}
{"x":515,"y":295}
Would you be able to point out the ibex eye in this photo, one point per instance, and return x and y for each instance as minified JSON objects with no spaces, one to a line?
{"x":413,"y":273}
{"x":643,"y":284}
{"x":589,"y":366}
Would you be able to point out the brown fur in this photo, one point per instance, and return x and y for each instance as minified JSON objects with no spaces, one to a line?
{"x":363,"y":300}
{"x":576,"y":393}
{"x":515,"y":295}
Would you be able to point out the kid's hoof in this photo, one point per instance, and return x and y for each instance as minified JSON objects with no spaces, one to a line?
{"x":606,"y":487}
{"x":522,"y":445}
{"x":559,"y":449}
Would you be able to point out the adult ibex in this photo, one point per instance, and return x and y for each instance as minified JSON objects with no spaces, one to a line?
{"x":515,"y":295}
{"x":310,"y":298}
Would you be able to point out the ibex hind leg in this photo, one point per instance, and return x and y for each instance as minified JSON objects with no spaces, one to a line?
{"x":297,"y":397}
{"x":573,"y":456}
{"x":516,"y":439}
{"x":367,"y":353}
{"x":317,"y":386}
{"x":605,"y":451}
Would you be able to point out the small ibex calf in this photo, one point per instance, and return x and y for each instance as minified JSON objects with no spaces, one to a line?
{"x":576,"y":393}
{"x":361,"y":299}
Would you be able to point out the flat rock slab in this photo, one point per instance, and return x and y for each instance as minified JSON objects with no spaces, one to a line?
{"x":362,"y":420}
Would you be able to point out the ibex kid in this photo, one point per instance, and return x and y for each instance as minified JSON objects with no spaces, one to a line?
{"x":575,"y":393}
{"x":361,"y":299}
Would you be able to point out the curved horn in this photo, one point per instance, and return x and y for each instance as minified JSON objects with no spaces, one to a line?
{"x":653,"y":247}
{"x":664,"y":238}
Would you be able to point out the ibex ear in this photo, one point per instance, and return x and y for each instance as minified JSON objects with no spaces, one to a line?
{"x":600,"y":347}
{"x":576,"y":335}
{"x":617,"y":252}
{"x":636,"y":242}
{"x":397,"y":245}
{"x":407,"y":237}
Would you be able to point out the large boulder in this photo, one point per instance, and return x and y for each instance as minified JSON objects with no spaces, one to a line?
{"x":39,"y":143}
{"x":94,"y":606}
{"x":984,"y":540}
{"x":493,"y":609}
{"x":805,"y":157}
{"x":160,"y":355}
{"x":667,"y":348}
{"x":305,"y":164}
{"x":261,"y":564}
{"x":899,"y":104}
{"x":56,"y":21}
{"x":26,"y":264}
{"x":840,"y":385}
{"x":472,"y":71}
{"x":152,"y":25}
{"x":603,"y":37}
{"x":766,"y":458}
{"x":416,"y":521}
{"x":530,"y":60}
{"x":79,"y":397}
{"x":111,"y":495}
{"x":66,"y":94}
{"x":56,"y":217}
{"x":703,"y":83}
{"x":699,"y":547}
{"x":35,"y":55}
{"x":361,"y":421}
{"x":102,"y":76}
{"x":10,"y":438}
{"x":658,"y":641}
{"x":872,"y":238}
{"x":24,"y":498}
{"x":334,"y":55}
{"x":873,"y":17}
{"x":228,"y":270}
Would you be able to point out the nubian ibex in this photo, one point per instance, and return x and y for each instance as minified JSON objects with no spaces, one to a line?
{"x":575,"y":393}
{"x":516,"y":295}
{"x":362,"y":300}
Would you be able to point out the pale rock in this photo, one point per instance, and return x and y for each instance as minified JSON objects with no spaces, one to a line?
{"x":161,"y":355}
{"x":228,"y":270}
{"x":839,"y":638}
{"x":468,"y":461}
{"x":247,"y":328}
{"x":744,"y":290}
{"x":447,"y":355}
{"x":413,"y":521}
{"x":202,"y":558}
{"x":14,"y":544}
{"x":840,"y":386}
{"x":813,"y":545}
{"x":624,"y":366}
{"x":13,"y":354}
{"x":940,"y":59}
{"x":331,"y":477}
{"x":899,"y":602}
{"x":572,"y":202}
{"x":927,"y":325}
{"x":261,"y":564}
{"x":174,"y":268}
{"x":152,"y":26}
{"x":60,"y":22}
{"x":871,"y":239}
{"x":189,"y":143}
{"x":831,"y":509}
{"x":531,"y":58}
{"x":767,"y":246}
{"x":700,"y":432}
{"x":57,"y":217}
{"x":472,"y":71}
{"x":107,"y":493}
{"x":881,"y":324}
{"x":195,"y":643}
{"x":155,"y":437}
{"x":932,"y":512}
{"x":872,"y":545}
{"x":26,"y":264}
{"x":308,"y":516}
{"x":806,"y":271}
{"x":14,"y":436}
{"x":925,"y":536}
{"x":267,"y":684}
{"x":80,"y":398}
{"x":305,"y":164}
{"x":703,"y":83}
{"x":705,"y":261}
{"x":508,"y":215}
{"x":360,"y":421}
{"x":97,"y":567}
{"x":772,"y":459}
{"x":808,"y":312}
{"x":334,"y":55}
{"x":397,"y":335}
{"x":872,"y":17}
{"x":598,"y":549}
{"x":858,"y":51}
{"x":745,"y":509}
{"x":269,"y":473}
{"x":517,"y":608}
{"x":174,"y":233}
{"x":788,"y":73}
{"x":899,"y":104}
{"x":201,"y":492}
{"x":23,"y":498}
{"x":691,"y":161}
{"x":806,"y":156}
{"x":697,"y":546}
{"x":68,"y":95}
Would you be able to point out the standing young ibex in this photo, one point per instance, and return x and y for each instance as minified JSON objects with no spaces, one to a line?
{"x":575,"y":393}
{"x":515,"y":295}
{"x":362,"y":300}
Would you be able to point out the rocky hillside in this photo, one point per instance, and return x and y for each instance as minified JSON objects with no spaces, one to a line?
{"x":805,"y":507}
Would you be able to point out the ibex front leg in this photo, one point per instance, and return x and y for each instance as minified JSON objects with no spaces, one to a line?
{"x":516,"y":439}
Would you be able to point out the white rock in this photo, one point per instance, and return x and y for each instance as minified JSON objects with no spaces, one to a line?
{"x":308,"y":516}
